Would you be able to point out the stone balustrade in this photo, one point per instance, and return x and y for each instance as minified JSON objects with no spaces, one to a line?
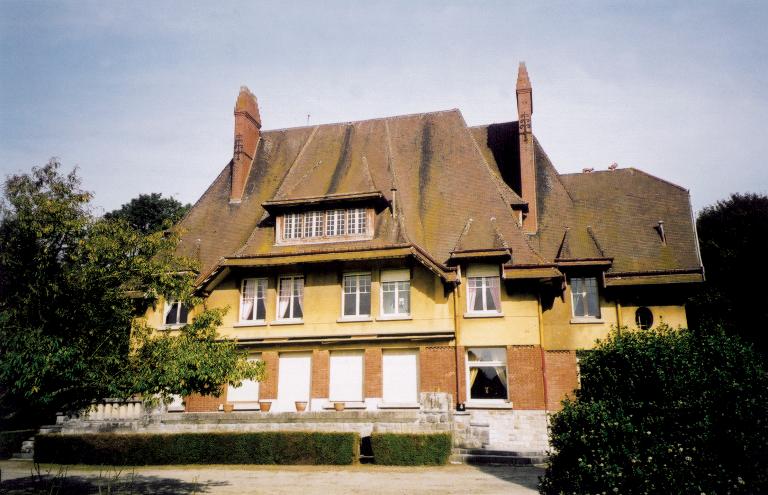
{"x":115,"y":410}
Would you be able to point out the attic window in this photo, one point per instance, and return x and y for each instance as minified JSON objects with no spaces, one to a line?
{"x":325,"y":226}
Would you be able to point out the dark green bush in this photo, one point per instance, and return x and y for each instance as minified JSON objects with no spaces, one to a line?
{"x":404,"y":449}
{"x":10,"y":441}
{"x":199,"y":448}
{"x":664,"y":411}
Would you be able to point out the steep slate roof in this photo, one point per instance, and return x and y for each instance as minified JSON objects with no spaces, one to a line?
{"x":455,"y":193}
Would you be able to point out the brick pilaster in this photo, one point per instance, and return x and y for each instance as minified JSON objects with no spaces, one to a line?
{"x":320,"y":374}
{"x":437,"y":369}
{"x":526,"y":380}
{"x":372,"y":378}
{"x":268,"y":388}
{"x":562,"y":377}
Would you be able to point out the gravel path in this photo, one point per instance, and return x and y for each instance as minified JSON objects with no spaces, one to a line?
{"x":20,"y":478}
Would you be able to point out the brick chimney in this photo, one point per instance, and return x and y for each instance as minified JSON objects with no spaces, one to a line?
{"x":247,"y":133}
{"x":527,"y":165}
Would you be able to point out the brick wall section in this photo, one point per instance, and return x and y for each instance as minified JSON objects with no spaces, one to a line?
{"x":526,"y":380}
{"x":204,"y":403}
{"x":462,"y":370}
{"x":320,"y":374}
{"x":268,"y":388}
{"x":561,"y":377}
{"x":372,"y":376}
{"x":437,"y":369}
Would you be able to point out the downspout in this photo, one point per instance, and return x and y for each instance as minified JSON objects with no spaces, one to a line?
{"x":541,"y":349}
{"x":457,"y":333}
{"x":618,"y":316}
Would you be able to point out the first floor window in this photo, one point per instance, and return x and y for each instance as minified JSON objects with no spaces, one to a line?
{"x":176,"y":313}
{"x":584,"y":297}
{"x":487,"y":368}
{"x":395,"y":292}
{"x":483,"y":295}
{"x":253,"y":299}
{"x":290,"y":301}
{"x":246,"y":396}
{"x":346,"y":376}
{"x":357,"y":294}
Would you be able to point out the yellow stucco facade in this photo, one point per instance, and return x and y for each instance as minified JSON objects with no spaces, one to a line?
{"x":529,"y":312}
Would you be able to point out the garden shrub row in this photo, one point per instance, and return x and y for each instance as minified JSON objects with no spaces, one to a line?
{"x":199,"y":448}
{"x":10,"y":441}
{"x":411,"y":449}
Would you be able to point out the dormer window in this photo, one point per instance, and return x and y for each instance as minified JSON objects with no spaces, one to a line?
{"x":325,"y":226}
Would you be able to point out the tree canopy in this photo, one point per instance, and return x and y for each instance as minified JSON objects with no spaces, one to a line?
{"x":71,"y":286}
{"x":733,"y":235}
{"x":664,"y":411}
{"x":150,"y":212}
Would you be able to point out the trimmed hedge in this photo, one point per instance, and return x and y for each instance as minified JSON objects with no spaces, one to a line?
{"x":411,"y":449}
{"x":199,"y":448}
{"x":10,"y":441}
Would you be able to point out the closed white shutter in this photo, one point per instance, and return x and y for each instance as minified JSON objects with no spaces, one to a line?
{"x":293,"y":377}
{"x":246,"y":396}
{"x":346,"y":376}
{"x":401,"y":376}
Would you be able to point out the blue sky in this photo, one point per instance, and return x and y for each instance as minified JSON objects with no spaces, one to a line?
{"x":139,"y":95}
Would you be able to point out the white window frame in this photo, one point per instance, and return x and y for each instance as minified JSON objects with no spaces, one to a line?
{"x":484,"y":279}
{"x":357,"y":315}
{"x":332,"y":375}
{"x":258,"y":281}
{"x":335,"y":223}
{"x":292,"y":226}
{"x":320,"y":226}
{"x":248,"y":404}
{"x":484,"y":364}
{"x":357,"y":221}
{"x":314,"y":224}
{"x":167,"y":309}
{"x":278,"y":314}
{"x":585,"y":295}
{"x":394,"y":276}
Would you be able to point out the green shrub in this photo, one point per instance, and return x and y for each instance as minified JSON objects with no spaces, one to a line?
{"x":199,"y":448}
{"x":664,"y":411}
{"x":10,"y":441}
{"x":403,"y":449}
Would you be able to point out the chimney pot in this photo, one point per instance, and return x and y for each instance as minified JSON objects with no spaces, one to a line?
{"x":527,"y":160}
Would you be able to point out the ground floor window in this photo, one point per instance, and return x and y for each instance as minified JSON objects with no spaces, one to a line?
{"x":346,"y":375}
{"x":246,"y":396}
{"x":400,"y":376}
{"x":487,"y":373}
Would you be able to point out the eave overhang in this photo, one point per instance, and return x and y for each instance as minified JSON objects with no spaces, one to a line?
{"x":275,"y":206}
{"x":583,"y":262}
{"x":356,"y":338}
{"x":502,"y":255}
{"x":221,"y":270}
{"x":531,"y":272}
{"x":657,"y":277}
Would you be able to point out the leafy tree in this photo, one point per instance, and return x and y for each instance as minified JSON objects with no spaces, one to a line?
{"x":150,"y":212}
{"x":664,"y":411}
{"x":733,"y":235}
{"x":70,"y":288}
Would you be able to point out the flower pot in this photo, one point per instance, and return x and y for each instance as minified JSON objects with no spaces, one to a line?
{"x":264,"y":406}
{"x":301,"y":406}
{"x":339,"y":406}
{"x":229,"y":407}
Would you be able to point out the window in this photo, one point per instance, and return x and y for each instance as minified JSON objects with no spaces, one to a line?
{"x":290,"y":300}
{"x":334,"y":223}
{"x":357,"y":295}
{"x":395,"y":293}
{"x":313,"y":224}
{"x":400,"y":376}
{"x":292,"y":226}
{"x":487,"y":373}
{"x":175,"y":313}
{"x":246,"y":396}
{"x":324,"y":226}
{"x":346,"y":376}
{"x":356,"y":221}
{"x":253,"y":299}
{"x":644,"y":318}
{"x":586,"y":303}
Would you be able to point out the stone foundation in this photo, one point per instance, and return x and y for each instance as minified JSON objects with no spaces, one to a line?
{"x":498,"y":429}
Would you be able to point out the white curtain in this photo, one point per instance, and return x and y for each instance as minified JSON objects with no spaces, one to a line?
{"x":493,"y":288}
{"x":471,"y":294}
{"x":298,"y":297}
{"x":285,"y":298}
{"x":246,"y":311}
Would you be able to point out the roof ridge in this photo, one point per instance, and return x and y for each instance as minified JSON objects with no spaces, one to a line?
{"x":361,"y":121}
{"x":467,"y":226}
{"x":625,"y":170}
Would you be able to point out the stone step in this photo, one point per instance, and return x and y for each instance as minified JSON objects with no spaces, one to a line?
{"x":497,"y":459}
{"x":50,"y":429}
{"x":22,"y":456}
{"x":503,"y":453}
